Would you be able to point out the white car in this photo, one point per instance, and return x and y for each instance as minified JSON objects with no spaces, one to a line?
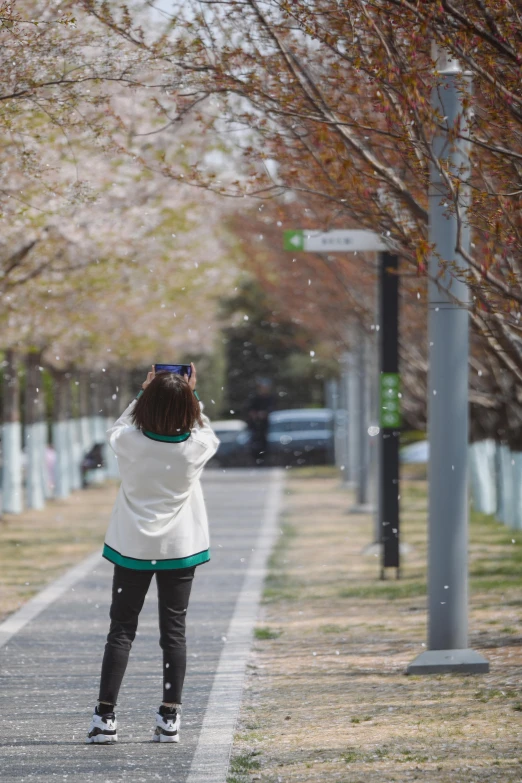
{"x":301,"y":436}
{"x":234,"y":437}
{"x":416,"y":452}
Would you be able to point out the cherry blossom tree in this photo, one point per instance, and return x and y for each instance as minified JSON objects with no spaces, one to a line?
{"x":332,"y":102}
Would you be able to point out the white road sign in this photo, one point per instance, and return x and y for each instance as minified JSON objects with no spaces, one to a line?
{"x":340,"y":240}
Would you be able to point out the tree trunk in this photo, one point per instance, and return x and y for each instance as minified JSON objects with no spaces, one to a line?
{"x":74,"y":435}
{"x":12,"y":502}
{"x":94,"y":406}
{"x":97,"y":421}
{"x":34,"y":433}
{"x":60,"y":436}
{"x":111,"y":411}
{"x":125,"y":392}
{"x":482,"y":476}
{"x":86,"y":441}
{"x":504,"y":485}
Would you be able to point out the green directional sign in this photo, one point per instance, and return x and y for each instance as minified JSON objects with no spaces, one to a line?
{"x":338,"y":240}
{"x":293,"y":240}
{"x":390,"y":408}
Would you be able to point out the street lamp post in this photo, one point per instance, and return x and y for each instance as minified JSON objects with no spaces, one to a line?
{"x":448,"y":327}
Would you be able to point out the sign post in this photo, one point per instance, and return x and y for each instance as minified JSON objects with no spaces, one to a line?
{"x":390,"y":416}
{"x":390,"y":411}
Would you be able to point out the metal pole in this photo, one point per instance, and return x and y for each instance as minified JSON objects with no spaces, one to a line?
{"x":448,"y":396}
{"x":362,"y":424}
{"x":390,"y":414}
{"x":359,"y":420}
{"x":343,"y":423}
{"x":332,"y":388}
{"x":352,"y":413}
{"x":375,"y":446}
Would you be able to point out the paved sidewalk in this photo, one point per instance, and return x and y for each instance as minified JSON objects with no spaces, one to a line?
{"x":49,"y":670}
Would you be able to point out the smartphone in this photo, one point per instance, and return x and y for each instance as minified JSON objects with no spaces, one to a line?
{"x":177,"y":369}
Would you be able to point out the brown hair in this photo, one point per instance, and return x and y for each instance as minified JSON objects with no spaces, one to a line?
{"x":167,"y":406}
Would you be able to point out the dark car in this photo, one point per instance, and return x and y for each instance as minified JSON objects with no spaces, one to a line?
{"x":304,"y":436}
{"x":233,"y":449}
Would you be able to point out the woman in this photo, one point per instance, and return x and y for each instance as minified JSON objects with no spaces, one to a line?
{"x":158,"y":526}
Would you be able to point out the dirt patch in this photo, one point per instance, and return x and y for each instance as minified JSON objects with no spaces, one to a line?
{"x":37,"y":546}
{"x":326,"y":696}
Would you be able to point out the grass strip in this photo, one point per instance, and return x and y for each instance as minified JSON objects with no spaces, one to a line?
{"x":326,"y":698}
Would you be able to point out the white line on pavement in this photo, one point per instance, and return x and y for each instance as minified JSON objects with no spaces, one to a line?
{"x":212,"y":755}
{"x":42,"y":600}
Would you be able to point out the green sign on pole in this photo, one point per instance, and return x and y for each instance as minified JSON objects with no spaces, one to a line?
{"x":293,"y":240}
{"x":390,"y":400}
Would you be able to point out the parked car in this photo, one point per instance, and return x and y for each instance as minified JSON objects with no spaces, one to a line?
{"x":416,"y":452}
{"x":303,"y":436}
{"x":233,"y":450}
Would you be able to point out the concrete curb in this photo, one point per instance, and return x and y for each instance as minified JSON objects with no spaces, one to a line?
{"x":212,"y":756}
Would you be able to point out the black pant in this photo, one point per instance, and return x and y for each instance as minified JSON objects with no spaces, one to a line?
{"x":129,"y":588}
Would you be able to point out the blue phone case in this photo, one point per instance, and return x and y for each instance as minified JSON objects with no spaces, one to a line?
{"x":177,"y":369}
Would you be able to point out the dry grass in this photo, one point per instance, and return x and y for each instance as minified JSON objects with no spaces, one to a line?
{"x":37,"y":546}
{"x":326,"y":696}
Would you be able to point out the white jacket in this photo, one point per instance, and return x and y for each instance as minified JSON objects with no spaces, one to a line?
{"x":159,"y":520}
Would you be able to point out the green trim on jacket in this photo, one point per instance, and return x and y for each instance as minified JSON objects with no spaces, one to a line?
{"x":154,"y":565}
{"x":167,"y":438}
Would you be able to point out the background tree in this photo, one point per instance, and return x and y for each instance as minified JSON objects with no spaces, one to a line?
{"x":266,"y":343}
{"x":332,"y":101}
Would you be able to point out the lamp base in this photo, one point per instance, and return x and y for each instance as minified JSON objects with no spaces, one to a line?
{"x":447,"y":661}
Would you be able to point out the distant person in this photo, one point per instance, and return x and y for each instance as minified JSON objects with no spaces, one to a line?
{"x":259,"y":406}
{"x":158,"y":526}
{"x":92,"y":461}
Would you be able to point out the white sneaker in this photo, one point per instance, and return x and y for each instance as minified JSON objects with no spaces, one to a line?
{"x":103,"y":729}
{"x":167,"y":725}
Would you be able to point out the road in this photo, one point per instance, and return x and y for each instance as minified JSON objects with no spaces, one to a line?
{"x":49,"y":671}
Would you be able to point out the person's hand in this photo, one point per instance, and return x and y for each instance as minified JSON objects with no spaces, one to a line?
{"x":150,"y":377}
{"x":192,"y":380}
